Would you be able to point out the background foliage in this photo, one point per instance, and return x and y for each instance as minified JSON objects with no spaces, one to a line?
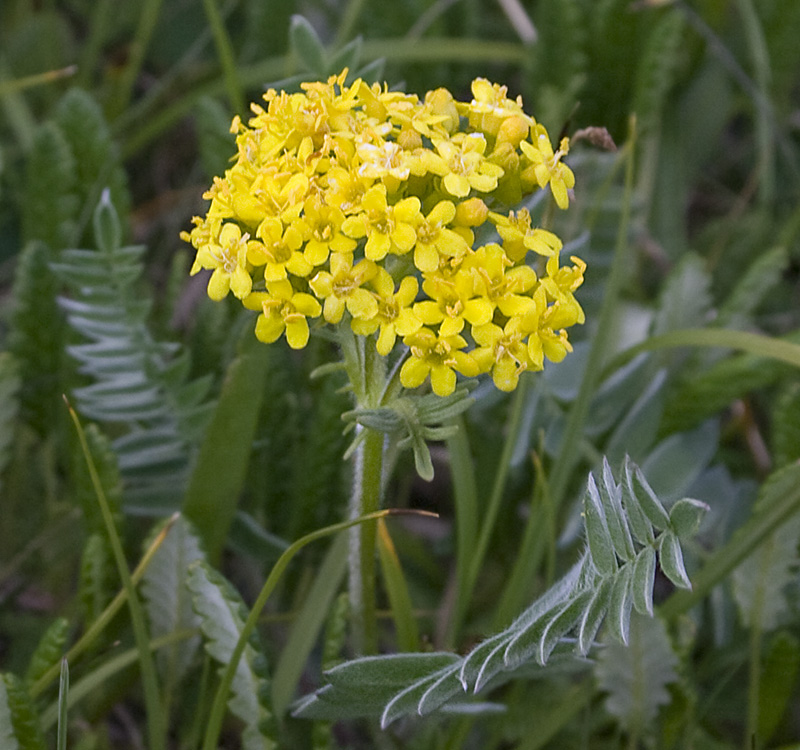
{"x":113,"y":120}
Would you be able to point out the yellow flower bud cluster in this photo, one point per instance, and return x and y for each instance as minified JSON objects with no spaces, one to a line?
{"x":359,"y":205}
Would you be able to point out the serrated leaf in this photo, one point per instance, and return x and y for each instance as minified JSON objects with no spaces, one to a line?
{"x":760,"y":582}
{"x":762,"y":274}
{"x":598,"y":536}
{"x":49,"y":650}
{"x":635,"y":677}
{"x":642,"y":580}
{"x":686,"y":516}
{"x":21,"y":720}
{"x":671,"y":558}
{"x":167,"y":599}
{"x":8,"y":739}
{"x":222,"y":614}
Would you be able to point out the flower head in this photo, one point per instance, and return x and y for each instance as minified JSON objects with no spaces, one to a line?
{"x":361,"y":205}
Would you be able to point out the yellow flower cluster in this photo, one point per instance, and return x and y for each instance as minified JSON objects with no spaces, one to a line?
{"x":360,"y":204}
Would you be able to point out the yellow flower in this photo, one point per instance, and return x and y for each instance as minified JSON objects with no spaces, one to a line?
{"x":490,"y":108}
{"x":505,"y":288}
{"x":452,"y":301}
{"x":283,"y":309}
{"x":279,"y":251}
{"x":438,"y":356}
{"x":461,"y":164}
{"x":434,"y":238}
{"x":547,"y":167}
{"x":342,"y":288}
{"x":394,"y":316}
{"x":228,"y":258}
{"x":519,"y":236}
{"x":387,"y":228}
{"x":504,"y":351}
{"x":560,"y":283}
{"x":322,"y":225}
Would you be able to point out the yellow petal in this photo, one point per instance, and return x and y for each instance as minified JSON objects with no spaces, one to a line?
{"x":297,"y":332}
{"x":443,"y":380}
{"x":413,"y":372}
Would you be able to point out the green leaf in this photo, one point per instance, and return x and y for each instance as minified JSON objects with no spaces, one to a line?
{"x":166,"y":598}
{"x":611,"y":497}
{"x":685,"y":298}
{"x":620,"y":602}
{"x":307,"y":47}
{"x":677,"y":461}
{"x":776,"y":684}
{"x":686,"y":516}
{"x":763,"y":274}
{"x":655,"y":73}
{"x":8,"y":738}
{"x":636,"y":676}
{"x":63,"y":695}
{"x":638,"y":521}
{"x":642,"y":580}
{"x":214,"y":139}
{"x":51,"y":204}
{"x":10,"y":384}
{"x":593,"y":616}
{"x":597,"y":533}
{"x":221,"y":467}
{"x":18,"y":719}
{"x":107,"y":229}
{"x":760,"y":582}
{"x":671,"y":559}
{"x":49,"y":650}
{"x":641,"y":494}
{"x":222,"y":614}
{"x":786,"y":426}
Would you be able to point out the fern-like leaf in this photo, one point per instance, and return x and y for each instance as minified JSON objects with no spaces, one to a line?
{"x":760,"y":582}
{"x":656,"y":70}
{"x":636,"y":677}
{"x":49,"y":650}
{"x":94,"y":589}
{"x":222,"y":615}
{"x":37,"y":337}
{"x":51,"y":203}
{"x":19,"y":724}
{"x":167,"y":599}
{"x":97,"y":161}
{"x":136,"y":381}
{"x":9,"y":405}
{"x":625,"y":525}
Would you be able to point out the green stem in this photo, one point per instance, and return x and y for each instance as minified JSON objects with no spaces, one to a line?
{"x":365,"y":500}
{"x":138,"y":47}
{"x":155,"y":717}
{"x":220,"y":699}
{"x":750,"y":739}
{"x":569,"y":452}
{"x":478,"y":554}
{"x":225,"y":54}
